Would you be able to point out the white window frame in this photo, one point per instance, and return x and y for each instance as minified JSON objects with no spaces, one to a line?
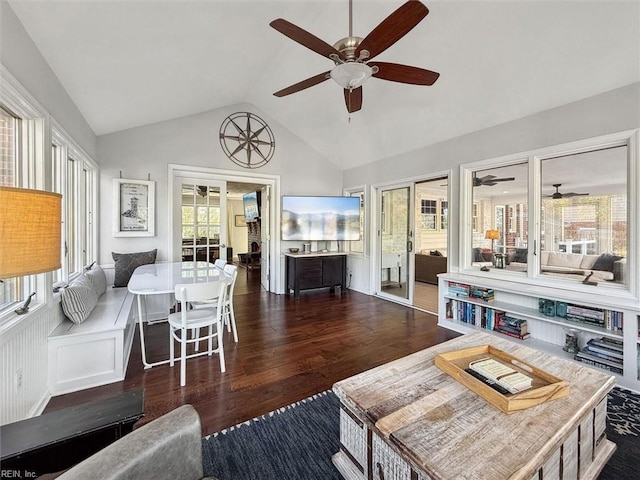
{"x":31,"y":172}
{"x":630,"y":138}
{"x":359,"y":191}
{"x":84,"y":189}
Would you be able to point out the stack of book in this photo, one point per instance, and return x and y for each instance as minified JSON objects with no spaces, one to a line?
{"x":458,"y":289}
{"x":514,"y":327}
{"x":605,"y":353}
{"x":589,"y":315}
{"x":505,"y":376}
{"x":486,"y":294}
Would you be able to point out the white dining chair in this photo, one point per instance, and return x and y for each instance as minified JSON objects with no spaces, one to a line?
{"x":229,"y":314}
{"x":188,"y":319}
{"x":220,"y":263}
{"x":231,"y":272}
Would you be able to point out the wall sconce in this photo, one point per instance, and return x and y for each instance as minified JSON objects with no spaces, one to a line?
{"x":30,"y":228}
{"x":492,"y":235}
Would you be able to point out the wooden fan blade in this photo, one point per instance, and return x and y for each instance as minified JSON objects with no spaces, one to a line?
{"x":394,"y":72}
{"x":353,"y":99}
{"x":304,"y":38}
{"x":309,"y":82}
{"x":393,"y":28}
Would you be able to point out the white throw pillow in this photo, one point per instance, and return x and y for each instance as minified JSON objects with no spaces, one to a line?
{"x":544,"y":260}
{"x":98,"y":279}
{"x":588,"y":261}
{"x":568,"y":260}
{"x":78,"y":300}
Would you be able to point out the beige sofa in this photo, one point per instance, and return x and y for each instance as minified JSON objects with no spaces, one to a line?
{"x":601,"y":267}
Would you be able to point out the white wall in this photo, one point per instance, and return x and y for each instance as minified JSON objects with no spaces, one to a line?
{"x":24,"y":343}
{"x":614,"y":111}
{"x":20,"y":56}
{"x":238,"y":236}
{"x":146,"y":151}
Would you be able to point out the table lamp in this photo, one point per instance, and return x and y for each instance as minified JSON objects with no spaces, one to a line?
{"x":30,"y":226}
{"x":492,"y":235}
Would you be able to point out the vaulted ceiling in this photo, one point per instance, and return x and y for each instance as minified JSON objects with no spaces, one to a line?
{"x":127,"y":63}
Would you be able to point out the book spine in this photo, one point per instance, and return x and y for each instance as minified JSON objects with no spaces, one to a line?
{"x":595,"y":363}
{"x":514,"y":335}
{"x":609,"y":345}
{"x":603,"y":355}
{"x":588,"y":356}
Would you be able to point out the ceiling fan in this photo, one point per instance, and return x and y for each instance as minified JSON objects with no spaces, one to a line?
{"x":489,"y":180}
{"x":557,"y":195}
{"x":352,"y":55}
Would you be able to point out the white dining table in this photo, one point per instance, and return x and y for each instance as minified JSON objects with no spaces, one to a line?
{"x":161,"y":279}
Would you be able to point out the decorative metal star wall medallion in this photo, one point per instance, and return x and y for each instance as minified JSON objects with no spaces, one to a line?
{"x":247,"y":140}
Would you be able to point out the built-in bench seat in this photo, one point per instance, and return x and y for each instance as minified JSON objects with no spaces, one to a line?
{"x":96,"y":351}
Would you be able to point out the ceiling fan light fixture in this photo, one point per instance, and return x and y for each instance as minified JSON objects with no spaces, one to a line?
{"x":351,"y":75}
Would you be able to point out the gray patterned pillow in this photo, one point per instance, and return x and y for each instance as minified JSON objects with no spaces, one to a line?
{"x":98,"y":278}
{"x":78,"y":300}
{"x":126,"y":263}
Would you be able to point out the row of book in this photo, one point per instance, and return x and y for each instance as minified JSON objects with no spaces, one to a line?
{"x":514,"y":327}
{"x":593,"y":316}
{"x":487,"y":318}
{"x":605,"y":353}
{"x":463,"y":290}
{"x":609,"y":319}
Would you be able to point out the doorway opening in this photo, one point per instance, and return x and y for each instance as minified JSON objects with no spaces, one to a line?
{"x":215,"y":221}
{"x":431,"y":238}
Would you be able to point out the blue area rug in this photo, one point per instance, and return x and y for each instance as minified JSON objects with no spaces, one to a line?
{"x":294,"y":442}
{"x":623,"y":429}
{"x":297,"y":442}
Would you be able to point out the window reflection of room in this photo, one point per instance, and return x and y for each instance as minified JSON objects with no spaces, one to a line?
{"x":585,"y":215}
{"x":499,"y":204}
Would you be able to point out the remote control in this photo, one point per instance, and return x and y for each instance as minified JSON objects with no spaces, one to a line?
{"x":487,"y":381}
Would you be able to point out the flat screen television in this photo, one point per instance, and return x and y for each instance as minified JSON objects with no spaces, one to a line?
{"x":320,"y":218}
{"x":251,"y":204}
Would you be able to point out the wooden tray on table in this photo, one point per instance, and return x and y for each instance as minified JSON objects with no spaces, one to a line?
{"x":544,"y":387}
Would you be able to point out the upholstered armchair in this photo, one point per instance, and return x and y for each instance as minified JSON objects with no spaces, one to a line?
{"x":168,"y":447}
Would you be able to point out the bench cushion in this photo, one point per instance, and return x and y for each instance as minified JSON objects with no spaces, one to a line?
{"x":78,"y":299}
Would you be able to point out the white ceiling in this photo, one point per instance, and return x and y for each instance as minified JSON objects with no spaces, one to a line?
{"x":127,"y":63}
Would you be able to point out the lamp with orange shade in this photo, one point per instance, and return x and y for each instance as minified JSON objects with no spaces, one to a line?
{"x":30,"y":227}
{"x":492,"y":235}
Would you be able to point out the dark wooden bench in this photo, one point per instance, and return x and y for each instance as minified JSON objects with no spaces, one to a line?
{"x":56,"y":441}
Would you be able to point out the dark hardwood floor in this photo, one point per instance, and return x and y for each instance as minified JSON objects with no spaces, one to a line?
{"x":288,"y":350}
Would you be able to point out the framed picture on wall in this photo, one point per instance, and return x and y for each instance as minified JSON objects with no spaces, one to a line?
{"x":134,"y":208}
{"x":240,"y":221}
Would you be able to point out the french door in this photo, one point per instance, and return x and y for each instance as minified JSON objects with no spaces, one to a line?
{"x":394,"y":246}
{"x":202,"y":213}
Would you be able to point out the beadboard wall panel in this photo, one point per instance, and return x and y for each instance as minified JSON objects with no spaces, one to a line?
{"x":25,"y":390}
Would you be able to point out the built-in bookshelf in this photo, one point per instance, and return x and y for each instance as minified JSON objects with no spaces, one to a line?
{"x":595,"y":330}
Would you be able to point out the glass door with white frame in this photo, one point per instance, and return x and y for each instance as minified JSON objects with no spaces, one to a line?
{"x":203,"y":222}
{"x":395,"y":243}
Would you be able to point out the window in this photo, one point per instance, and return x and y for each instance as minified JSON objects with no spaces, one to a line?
{"x":475,"y":216}
{"x":587,"y":214}
{"x":357,"y":246}
{"x":22,"y":124}
{"x":200,"y":222}
{"x":429,"y":212}
{"x":9,"y":136}
{"x":444,"y":213}
{"x":74,"y":176}
{"x":581,"y":224}
{"x":494,"y":189}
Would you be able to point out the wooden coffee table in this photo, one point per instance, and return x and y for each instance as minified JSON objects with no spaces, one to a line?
{"x":409,"y":420}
